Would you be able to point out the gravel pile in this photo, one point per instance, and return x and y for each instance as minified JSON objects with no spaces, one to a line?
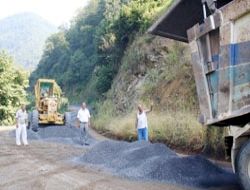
{"x":146,"y":161}
{"x":59,"y":134}
{"x":54,"y":132}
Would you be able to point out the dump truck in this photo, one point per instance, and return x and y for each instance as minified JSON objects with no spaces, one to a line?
{"x":218,"y":34}
{"x":47,"y":103}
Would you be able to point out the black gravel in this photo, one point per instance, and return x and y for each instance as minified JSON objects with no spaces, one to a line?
{"x":59,"y":134}
{"x":146,"y":161}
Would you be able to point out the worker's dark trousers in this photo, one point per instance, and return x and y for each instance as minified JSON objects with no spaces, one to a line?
{"x":84,"y":133}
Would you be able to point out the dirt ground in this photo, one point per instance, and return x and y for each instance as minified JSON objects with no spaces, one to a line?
{"x":43,"y":165}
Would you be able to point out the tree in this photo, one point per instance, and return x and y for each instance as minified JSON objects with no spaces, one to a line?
{"x":13,"y":83}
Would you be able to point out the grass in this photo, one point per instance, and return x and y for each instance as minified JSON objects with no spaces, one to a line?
{"x":176,"y":129}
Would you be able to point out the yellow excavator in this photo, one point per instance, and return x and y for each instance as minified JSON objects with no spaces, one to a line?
{"x":48,"y":101}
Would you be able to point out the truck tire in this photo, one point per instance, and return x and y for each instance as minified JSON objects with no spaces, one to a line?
{"x":34,"y":121}
{"x":67,"y":119}
{"x":243,"y":165}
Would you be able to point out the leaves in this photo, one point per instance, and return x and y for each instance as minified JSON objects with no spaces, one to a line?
{"x":13,"y":82}
{"x":86,"y":57}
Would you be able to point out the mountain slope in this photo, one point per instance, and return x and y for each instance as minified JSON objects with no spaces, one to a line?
{"x":23,"y":36}
{"x":85,"y":58}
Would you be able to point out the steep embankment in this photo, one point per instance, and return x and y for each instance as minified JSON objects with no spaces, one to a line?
{"x":154,"y":70}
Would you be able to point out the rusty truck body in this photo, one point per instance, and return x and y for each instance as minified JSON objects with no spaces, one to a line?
{"x":218,"y":33}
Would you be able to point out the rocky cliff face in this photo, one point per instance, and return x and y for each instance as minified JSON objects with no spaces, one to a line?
{"x":156,"y":70}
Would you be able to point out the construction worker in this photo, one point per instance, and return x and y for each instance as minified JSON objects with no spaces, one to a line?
{"x":21,"y":125}
{"x":141,"y":123}
{"x":84,"y":118}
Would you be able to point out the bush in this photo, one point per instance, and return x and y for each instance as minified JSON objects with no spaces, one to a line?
{"x":12,"y":89}
{"x":105,"y":78}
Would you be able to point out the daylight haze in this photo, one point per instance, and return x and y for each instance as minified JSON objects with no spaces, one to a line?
{"x":55,"y":11}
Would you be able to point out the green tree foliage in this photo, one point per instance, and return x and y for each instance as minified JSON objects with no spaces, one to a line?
{"x":12,"y":89}
{"x":91,"y":49}
{"x":55,"y":59}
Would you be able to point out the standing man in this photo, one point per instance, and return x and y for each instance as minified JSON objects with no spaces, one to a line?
{"x":84,"y":118}
{"x":21,"y":125}
{"x":142,"y":123}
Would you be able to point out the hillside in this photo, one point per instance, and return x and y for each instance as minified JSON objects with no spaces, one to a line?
{"x":23,"y":36}
{"x":157,"y":70}
{"x":107,"y":59}
{"x":89,"y":53}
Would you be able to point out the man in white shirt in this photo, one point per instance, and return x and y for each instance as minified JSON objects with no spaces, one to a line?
{"x":142,"y":123}
{"x":21,"y":125}
{"x":84,"y":118}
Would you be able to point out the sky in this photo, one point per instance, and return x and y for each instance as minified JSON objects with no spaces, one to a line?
{"x":56,"y":12}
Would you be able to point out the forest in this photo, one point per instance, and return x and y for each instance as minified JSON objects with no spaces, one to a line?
{"x":88,"y":53}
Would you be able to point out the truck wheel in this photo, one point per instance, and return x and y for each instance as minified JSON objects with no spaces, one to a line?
{"x":243,"y":165}
{"x":67,"y":119}
{"x":34,"y":121}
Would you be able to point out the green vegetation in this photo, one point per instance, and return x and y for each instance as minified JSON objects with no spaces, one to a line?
{"x":13,"y":82}
{"x":23,"y":36}
{"x":89,"y":53}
